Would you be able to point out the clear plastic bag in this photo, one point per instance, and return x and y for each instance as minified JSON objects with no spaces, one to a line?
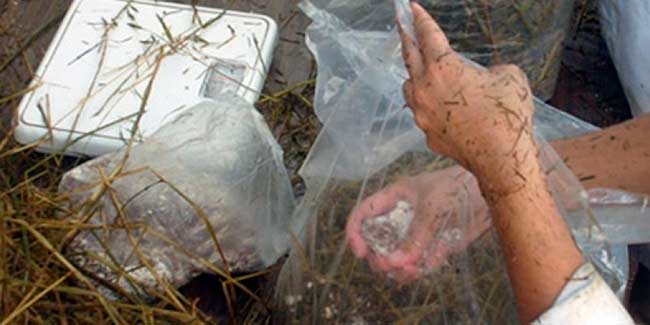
{"x":208,"y":186}
{"x":624,"y":217}
{"x":369,"y":142}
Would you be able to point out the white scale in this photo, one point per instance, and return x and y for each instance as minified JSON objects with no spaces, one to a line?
{"x":89,"y":89}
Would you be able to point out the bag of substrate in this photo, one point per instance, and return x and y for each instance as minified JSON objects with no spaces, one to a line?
{"x":207,"y":192}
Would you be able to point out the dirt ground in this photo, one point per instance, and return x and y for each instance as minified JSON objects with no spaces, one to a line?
{"x":587,"y":87}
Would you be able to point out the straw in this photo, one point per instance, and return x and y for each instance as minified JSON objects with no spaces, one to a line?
{"x":38,"y":281}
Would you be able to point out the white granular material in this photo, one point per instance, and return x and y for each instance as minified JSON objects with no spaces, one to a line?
{"x":384,"y":233}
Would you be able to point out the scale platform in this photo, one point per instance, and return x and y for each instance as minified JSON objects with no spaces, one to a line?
{"x":115,"y":63}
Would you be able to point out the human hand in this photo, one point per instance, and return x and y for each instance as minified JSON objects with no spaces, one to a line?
{"x":480,"y":118}
{"x":429,"y":240}
{"x":483,"y":119}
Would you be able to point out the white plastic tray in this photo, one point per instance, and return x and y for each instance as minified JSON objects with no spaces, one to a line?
{"x":88,"y":92}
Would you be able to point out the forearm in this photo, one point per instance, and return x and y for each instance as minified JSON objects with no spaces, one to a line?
{"x":483,"y":120}
{"x":617,"y":157}
{"x":540,"y":253}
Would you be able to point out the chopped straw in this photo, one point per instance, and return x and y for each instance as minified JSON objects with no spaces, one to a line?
{"x":38,"y":281}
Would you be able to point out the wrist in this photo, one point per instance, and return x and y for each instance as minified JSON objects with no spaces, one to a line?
{"x":510,"y":171}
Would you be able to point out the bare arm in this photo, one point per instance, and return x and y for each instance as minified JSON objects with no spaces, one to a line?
{"x":540,"y":253}
{"x":484,"y":121}
{"x":617,"y":157}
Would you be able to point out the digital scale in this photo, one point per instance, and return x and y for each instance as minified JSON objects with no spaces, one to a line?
{"x":115,"y":63}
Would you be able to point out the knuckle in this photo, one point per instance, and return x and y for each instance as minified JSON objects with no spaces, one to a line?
{"x":503,"y":68}
{"x":510,"y":69}
{"x":433,"y":69}
{"x":419,"y":97}
{"x":517,"y":72}
{"x":497,"y":69}
{"x":408,"y":96}
{"x":407,"y":87}
{"x":421,"y":122}
{"x":522,"y":75}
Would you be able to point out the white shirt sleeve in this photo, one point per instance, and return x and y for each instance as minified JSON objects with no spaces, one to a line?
{"x":586,"y":299}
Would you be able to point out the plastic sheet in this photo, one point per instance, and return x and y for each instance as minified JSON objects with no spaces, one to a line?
{"x":625,"y":28}
{"x":212,"y":181}
{"x":624,"y":217}
{"x":617,"y":217}
{"x":369,"y":142}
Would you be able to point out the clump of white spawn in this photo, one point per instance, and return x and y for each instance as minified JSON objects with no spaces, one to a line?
{"x":384,"y":233}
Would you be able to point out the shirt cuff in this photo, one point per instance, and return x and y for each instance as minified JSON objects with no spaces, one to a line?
{"x":586,"y":299}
